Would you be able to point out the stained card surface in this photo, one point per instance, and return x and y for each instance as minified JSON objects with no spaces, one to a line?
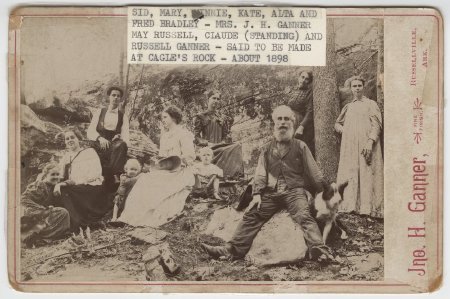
{"x":225,"y":149}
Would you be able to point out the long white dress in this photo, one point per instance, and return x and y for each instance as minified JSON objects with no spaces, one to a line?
{"x":359,"y":121}
{"x":160,"y":195}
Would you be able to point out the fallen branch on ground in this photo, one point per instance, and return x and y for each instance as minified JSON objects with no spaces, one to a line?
{"x":98,"y":247}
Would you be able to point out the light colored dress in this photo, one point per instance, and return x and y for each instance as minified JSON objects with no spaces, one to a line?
{"x":160,"y":195}
{"x":205,"y":172}
{"x":359,"y":121}
{"x":85,"y":167}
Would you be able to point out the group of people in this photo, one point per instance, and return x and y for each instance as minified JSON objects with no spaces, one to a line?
{"x":286,"y":165}
{"x":91,"y":181}
{"x":359,"y":125}
{"x":91,"y":175}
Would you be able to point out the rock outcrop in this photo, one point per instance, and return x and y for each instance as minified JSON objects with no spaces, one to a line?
{"x":279,"y":241}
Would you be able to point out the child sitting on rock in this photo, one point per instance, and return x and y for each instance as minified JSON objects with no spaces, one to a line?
{"x":127,"y":180}
{"x":206,"y":176}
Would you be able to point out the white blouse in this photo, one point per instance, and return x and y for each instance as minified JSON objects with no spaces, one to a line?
{"x":110,"y":123}
{"x":86,"y":167}
{"x":177,"y":142}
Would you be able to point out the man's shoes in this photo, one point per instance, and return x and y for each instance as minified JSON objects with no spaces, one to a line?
{"x":216,"y":251}
{"x":321,"y":254}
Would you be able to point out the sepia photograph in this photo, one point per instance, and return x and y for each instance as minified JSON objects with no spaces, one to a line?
{"x":198,"y":172}
{"x":225,"y":149}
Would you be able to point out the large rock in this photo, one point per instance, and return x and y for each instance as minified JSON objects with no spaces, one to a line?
{"x":38,"y":144}
{"x":366,"y":263}
{"x":148,"y":235}
{"x":76,"y":98}
{"x":223,"y":223}
{"x":65,"y":115}
{"x":279,"y":241}
{"x":35,"y":133}
{"x":29,"y":119}
{"x":141,"y":146}
{"x":158,"y":261}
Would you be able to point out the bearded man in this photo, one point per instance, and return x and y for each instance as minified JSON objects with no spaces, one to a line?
{"x":285,"y":166}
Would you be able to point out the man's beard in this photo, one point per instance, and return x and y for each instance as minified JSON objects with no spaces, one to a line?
{"x":283,"y":136}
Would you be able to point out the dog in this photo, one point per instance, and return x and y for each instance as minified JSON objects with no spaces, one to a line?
{"x":325,"y":206}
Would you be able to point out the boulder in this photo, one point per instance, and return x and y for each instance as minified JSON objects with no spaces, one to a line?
{"x":159,"y":261}
{"x":223,"y":223}
{"x":72,"y":103}
{"x":38,"y":144}
{"x":151,"y":254}
{"x":29,"y":119}
{"x":366,"y":263}
{"x":154,"y":271}
{"x":141,"y":146}
{"x":202,"y":273}
{"x":35,"y":131}
{"x":279,"y":241}
{"x":148,"y":235}
{"x":63,"y":115}
{"x":168,"y":263}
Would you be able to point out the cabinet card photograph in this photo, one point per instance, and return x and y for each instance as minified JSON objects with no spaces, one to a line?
{"x":225,"y":149}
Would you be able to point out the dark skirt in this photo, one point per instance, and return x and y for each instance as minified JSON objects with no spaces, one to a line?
{"x":86,"y":204}
{"x":308,"y":133}
{"x":113,"y":160}
{"x":229,"y":158}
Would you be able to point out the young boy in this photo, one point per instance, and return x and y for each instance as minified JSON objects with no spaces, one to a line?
{"x":127,"y":180}
{"x":207,"y":175}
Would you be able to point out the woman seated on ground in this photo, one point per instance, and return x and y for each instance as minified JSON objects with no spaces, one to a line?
{"x":160,"y":195}
{"x":40,"y":219}
{"x":81,"y":192}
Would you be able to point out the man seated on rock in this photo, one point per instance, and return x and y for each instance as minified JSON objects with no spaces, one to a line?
{"x":212,"y":129}
{"x":284,"y":166}
{"x":109,"y":129}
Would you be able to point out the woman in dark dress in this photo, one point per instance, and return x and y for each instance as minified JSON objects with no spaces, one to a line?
{"x":301,"y":102}
{"x":82,"y":192}
{"x":212,"y":129}
{"x":40,"y":218}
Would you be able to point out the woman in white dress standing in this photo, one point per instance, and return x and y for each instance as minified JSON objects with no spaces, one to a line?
{"x":361,"y":160}
{"x":160,"y":195}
